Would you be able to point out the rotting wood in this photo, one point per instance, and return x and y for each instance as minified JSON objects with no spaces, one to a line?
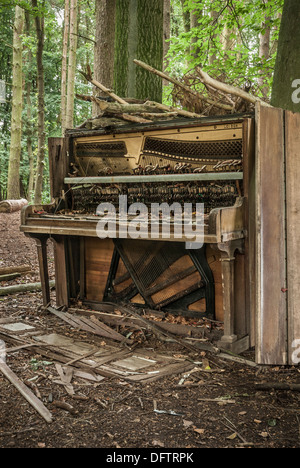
{"x":15,"y":269}
{"x":135,"y":323}
{"x":25,"y":392}
{"x":161,"y":332}
{"x":11,"y":206}
{"x":92,"y":326}
{"x":65,"y":406}
{"x":20,"y":288}
{"x":277,"y":386}
{"x":9,"y":277}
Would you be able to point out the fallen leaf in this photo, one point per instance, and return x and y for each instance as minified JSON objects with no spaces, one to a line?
{"x":199,"y":431}
{"x":187,"y":423}
{"x":232,"y":436}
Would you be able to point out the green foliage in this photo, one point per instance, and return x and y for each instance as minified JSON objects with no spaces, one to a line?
{"x":238,"y":22}
{"x":53,"y":12}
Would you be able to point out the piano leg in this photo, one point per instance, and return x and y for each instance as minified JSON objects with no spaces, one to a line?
{"x":41,"y":243}
{"x":230,"y":339}
{"x":228,"y":298}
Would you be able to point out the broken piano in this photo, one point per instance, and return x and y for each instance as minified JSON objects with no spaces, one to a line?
{"x":201,"y":162}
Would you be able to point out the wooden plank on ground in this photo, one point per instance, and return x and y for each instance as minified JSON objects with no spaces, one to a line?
{"x":292,"y":138}
{"x":271,"y":303}
{"x":25,"y":392}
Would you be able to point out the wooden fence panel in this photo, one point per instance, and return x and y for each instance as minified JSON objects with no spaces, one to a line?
{"x":271,"y":304}
{"x":292,"y":149}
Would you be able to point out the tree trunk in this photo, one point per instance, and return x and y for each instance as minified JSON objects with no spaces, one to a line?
{"x":64,"y":66}
{"x":195,"y":17}
{"x":167,"y":31}
{"x":39,"y":23}
{"x":72,"y":64}
{"x":286,"y":84}
{"x":104,"y":45}
{"x":264,"y":52}
{"x":29,"y":130}
{"x":13,"y":182}
{"x":139,"y":35}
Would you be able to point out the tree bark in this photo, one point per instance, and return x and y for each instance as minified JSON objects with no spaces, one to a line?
{"x":167,"y":32}
{"x":104,"y":45}
{"x":39,"y":23}
{"x":64,"y":66}
{"x":264,"y":52}
{"x":13,"y":182}
{"x":139,"y":35}
{"x":72,"y":64}
{"x":286,"y":83}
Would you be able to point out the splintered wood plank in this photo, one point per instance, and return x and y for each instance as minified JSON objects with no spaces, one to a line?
{"x":270,"y":248}
{"x":25,"y":392}
{"x":292,"y":125}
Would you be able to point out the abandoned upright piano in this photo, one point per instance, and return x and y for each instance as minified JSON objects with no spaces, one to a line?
{"x":244,"y":169}
{"x":207,"y":161}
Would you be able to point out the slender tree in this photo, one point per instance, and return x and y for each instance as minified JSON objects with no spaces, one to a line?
{"x":40,"y":32}
{"x":13,"y":182}
{"x":72,"y":63}
{"x":64,"y":65}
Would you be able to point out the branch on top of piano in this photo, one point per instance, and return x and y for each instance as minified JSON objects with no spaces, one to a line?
{"x":88,"y":76}
{"x":180,"y":84}
{"x":229,"y":89}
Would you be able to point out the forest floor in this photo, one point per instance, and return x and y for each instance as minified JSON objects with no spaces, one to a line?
{"x":217,"y":407}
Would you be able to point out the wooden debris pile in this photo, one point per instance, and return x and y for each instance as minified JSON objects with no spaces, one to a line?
{"x":96,"y":346}
{"x":196,"y":95}
{"x":209,"y":96}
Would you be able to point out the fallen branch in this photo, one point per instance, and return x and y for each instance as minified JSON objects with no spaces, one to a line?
{"x":15,"y":269}
{"x":10,"y":206}
{"x":229,"y":89}
{"x":183,"y":86}
{"x":277,"y":386}
{"x":9,"y":277}
{"x":20,"y":288}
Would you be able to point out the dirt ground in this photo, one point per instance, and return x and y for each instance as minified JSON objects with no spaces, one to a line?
{"x":216,"y":407}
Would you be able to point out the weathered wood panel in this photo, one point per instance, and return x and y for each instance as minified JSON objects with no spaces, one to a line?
{"x":292,"y":134}
{"x":57,"y":164}
{"x":98,"y":255}
{"x":61,"y":281}
{"x":271,"y":246}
